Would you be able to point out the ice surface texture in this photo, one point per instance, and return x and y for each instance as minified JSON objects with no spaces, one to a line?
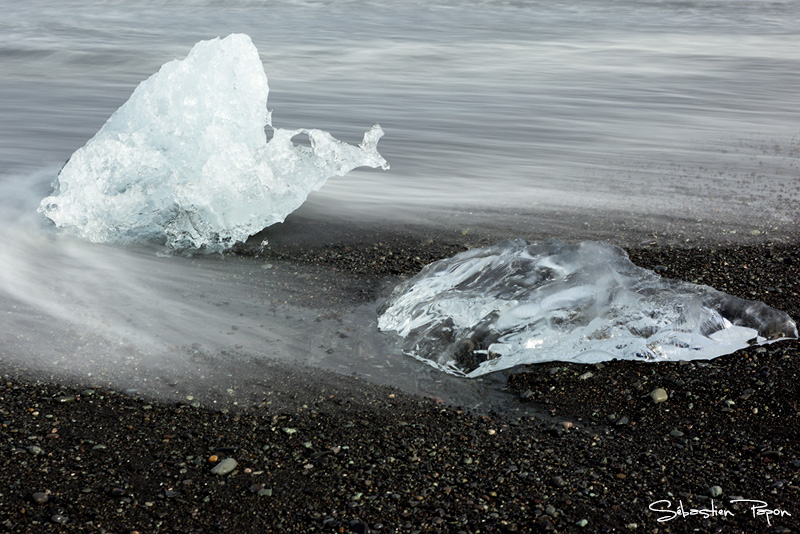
{"x":186,"y":159}
{"x":519,"y":302}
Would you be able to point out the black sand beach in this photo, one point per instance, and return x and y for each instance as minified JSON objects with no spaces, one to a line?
{"x":338,"y":454}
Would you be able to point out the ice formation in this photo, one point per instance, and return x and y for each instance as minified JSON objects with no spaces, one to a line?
{"x":186,"y":160}
{"x":518,"y":302}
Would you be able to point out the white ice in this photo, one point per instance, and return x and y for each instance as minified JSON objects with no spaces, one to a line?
{"x":185,"y":161}
{"x":519,"y":303}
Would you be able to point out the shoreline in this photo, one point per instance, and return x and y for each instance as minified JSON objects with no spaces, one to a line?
{"x":339,"y":454}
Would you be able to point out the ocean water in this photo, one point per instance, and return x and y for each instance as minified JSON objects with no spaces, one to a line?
{"x":522,"y":113}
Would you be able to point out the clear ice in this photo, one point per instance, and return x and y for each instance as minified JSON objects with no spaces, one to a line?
{"x":185,"y":161}
{"x":519,"y":303}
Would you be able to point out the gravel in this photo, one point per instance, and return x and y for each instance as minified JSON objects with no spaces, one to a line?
{"x":350,"y":456}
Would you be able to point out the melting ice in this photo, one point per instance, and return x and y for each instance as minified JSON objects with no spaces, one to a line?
{"x":185,"y":160}
{"x":519,"y":302}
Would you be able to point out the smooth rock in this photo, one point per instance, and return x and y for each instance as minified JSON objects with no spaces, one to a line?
{"x":40,"y":497}
{"x":225,"y":466}
{"x":715,"y":491}
{"x":659,"y":395}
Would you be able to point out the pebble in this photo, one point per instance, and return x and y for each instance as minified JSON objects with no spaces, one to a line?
{"x":715,"y":491}
{"x":623,"y":420}
{"x":585,"y":376}
{"x":676,"y":433}
{"x":35,"y":450}
{"x":659,"y":395}
{"x":550,"y":510}
{"x":225,"y":466}
{"x":582,"y":523}
{"x":59,"y":519}
{"x":558,"y":482}
{"x":40,"y":497}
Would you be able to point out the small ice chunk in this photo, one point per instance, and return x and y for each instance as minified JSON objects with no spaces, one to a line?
{"x":185,"y":160}
{"x":518,"y":303}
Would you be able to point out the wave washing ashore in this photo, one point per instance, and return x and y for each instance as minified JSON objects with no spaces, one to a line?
{"x":185,"y":163}
{"x":150,"y":392}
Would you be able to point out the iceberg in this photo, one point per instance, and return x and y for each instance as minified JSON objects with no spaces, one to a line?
{"x":518,"y":303}
{"x":186,"y":161}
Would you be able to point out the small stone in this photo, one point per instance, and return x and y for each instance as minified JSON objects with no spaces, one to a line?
{"x":40,"y":497}
{"x":527,"y":395}
{"x":87,"y":392}
{"x":660,"y":268}
{"x":265,"y":492}
{"x":117,"y":492}
{"x":659,"y":395}
{"x":289,"y":431}
{"x":59,"y":519}
{"x":558,"y":482}
{"x":567,"y":425}
{"x":585,"y":376}
{"x":676,"y":433}
{"x":715,"y":491}
{"x":623,"y":420}
{"x":225,"y":466}
{"x":35,"y":450}
{"x":582,"y":523}
{"x":550,"y":510}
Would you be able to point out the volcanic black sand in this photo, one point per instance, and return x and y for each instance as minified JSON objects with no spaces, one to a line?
{"x":342,"y":455}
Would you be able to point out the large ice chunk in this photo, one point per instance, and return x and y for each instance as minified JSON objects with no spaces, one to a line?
{"x":186,"y":159}
{"x":518,"y":302}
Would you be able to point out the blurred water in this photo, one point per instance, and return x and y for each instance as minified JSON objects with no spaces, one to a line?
{"x":655,"y":109}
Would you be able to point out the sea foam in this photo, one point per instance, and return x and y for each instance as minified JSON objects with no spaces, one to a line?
{"x":517,"y":303}
{"x":186,"y":161}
